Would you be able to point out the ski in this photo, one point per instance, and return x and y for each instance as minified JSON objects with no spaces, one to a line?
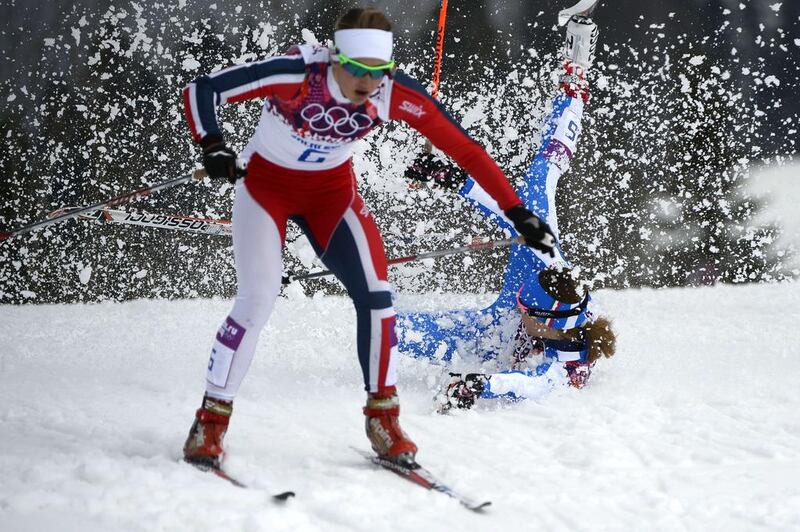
{"x":221,"y":473}
{"x":176,"y":222}
{"x":422,"y":477}
{"x":583,"y":7}
{"x":62,"y":215}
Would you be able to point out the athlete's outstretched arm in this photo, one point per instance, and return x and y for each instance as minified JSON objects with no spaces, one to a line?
{"x":412,"y":104}
{"x":202,"y":96}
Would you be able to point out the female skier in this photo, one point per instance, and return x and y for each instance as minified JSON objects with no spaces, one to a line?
{"x":318,"y":102}
{"x":539,"y":331}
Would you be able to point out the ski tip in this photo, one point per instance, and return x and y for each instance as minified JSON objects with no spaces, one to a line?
{"x":480,"y":507}
{"x":583,"y":7}
{"x":285,"y":496}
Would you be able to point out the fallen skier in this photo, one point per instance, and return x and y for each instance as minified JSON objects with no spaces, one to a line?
{"x":540,"y":332}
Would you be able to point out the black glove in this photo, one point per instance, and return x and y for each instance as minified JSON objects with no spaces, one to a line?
{"x":426,"y":167}
{"x":537,"y":234}
{"x":219,"y":160}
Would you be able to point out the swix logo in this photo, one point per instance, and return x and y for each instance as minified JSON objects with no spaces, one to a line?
{"x":412,"y":108}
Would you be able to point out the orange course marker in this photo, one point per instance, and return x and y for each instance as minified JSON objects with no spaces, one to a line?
{"x":437,"y":65}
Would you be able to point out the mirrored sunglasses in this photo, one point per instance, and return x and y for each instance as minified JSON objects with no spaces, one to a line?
{"x":360,"y":70}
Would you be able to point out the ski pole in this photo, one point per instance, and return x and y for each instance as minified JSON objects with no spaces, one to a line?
{"x":474,"y":246}
{"x":437,"y":65}
{"x":118,"y":200}
{"x":437,"y":62}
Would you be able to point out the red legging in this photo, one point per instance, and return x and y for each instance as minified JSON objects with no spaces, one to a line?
{"x":328,"y":208}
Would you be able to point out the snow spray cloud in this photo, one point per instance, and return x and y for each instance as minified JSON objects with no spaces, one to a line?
{"x":654,"y":196}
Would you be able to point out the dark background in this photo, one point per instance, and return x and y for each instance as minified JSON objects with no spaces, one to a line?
{"x":688,"y":98}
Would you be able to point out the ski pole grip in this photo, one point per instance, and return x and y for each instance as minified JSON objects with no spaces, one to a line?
{"x":241,"y":171}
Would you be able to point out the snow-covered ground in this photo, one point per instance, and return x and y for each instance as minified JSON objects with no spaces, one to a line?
{"x":695,"y":425}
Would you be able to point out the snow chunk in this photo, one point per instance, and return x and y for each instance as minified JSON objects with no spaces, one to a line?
{"x":473,"y":115}
{"x":263,"y":39}
{"x":294,"y":291}
{"x":308,"y":36}
{"x":190,"y":63}
{"x":697,"y":60}
{"x":685,"y":85}
{"x":772,"y":81}
{"x":85,"y":274}
{"x":510,"y":133}
{"x":776,"y":7}
{"x":141,"y":274}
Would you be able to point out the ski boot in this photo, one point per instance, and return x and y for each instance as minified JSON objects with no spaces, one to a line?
{"x":582,"y":7}
{"x":383,"y":428}
{"x":462,"y":393}
{"x":203,"y":447}
{"x":578,"y":52}
{"x":581,"y":42}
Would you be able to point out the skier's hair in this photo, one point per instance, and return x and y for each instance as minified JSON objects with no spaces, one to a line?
{"x":601,"y":339}
{"x":561,"y":283}
{"x":363,"y":17}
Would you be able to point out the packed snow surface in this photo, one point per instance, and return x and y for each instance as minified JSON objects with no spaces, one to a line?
{"x":694,"y":425}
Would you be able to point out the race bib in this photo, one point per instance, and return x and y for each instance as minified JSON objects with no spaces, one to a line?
{"x":229,"y":336}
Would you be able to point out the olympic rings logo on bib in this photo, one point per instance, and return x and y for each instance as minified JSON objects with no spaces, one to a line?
{"x":336,"y":118}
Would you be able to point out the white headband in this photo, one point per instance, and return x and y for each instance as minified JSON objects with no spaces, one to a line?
{"x":364,"y":43}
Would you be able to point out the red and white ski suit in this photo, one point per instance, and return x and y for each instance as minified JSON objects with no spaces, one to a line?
{"x":300,"y":168}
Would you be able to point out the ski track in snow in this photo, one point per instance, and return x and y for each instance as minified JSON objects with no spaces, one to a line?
{"x":694,"y":424}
